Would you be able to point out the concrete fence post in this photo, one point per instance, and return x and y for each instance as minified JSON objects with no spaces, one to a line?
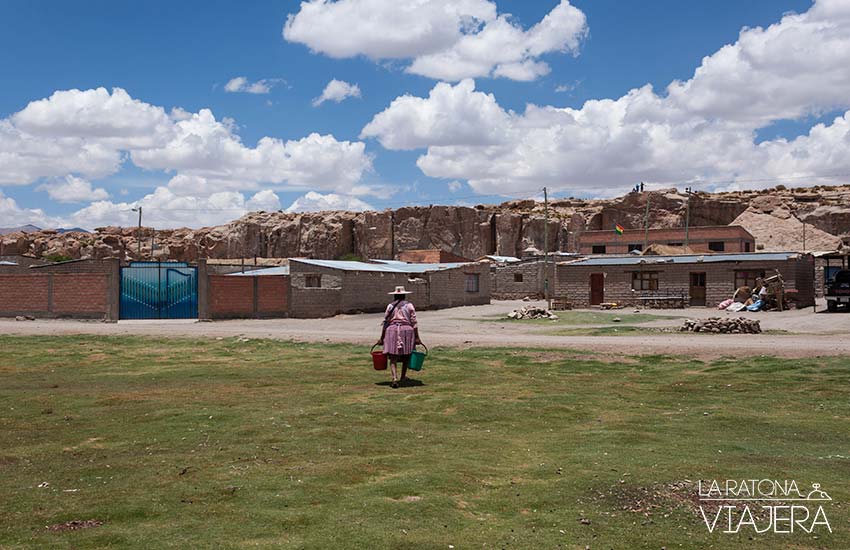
{"x":203,"y":290}
{"x":113,"y":291}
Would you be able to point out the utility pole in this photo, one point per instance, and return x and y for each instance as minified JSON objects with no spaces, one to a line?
{"x":546,"y":249}
{"x":687,"y":214}
{"x":139,"y":235}
{"x":646,"y":223}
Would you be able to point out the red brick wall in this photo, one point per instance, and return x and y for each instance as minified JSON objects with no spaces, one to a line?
{"x":231,"y":296}
{"x":246,"y":296}
{"x":23,"y":294}
{"x":80,"y":293}
{"x":273,"y":293}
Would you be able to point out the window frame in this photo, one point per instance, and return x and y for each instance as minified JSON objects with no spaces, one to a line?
{"x":595,"y":249}
{"x":309,"y":277}
{"x":648,"y":281}
{"x":475,"y":279}
{"x":747,"y":281}
{"x":712,"y":246}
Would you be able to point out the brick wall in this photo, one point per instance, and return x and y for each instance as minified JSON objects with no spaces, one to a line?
{"x":230,"y":297}
{"x":573,"y":280}
{"x":272,"y":295}
{"x":323,"y":301}
{"x":80,"y":293}
{"x":368,"y":291}
{"x":234,"y":297}
{"x":44,"y":294}
{"x":504,"y":284}
{"x":735,"y":239}
{"x":25,"y":293}
{"x":447,"y":288}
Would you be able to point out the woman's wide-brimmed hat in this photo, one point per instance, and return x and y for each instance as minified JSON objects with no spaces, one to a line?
{"x":400,"y":290}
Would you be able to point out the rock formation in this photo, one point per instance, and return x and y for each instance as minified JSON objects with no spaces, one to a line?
{"x":774,"y":216}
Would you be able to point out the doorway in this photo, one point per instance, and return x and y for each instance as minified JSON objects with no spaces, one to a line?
{"x":697,"y":290}
{"x":597,"y":288}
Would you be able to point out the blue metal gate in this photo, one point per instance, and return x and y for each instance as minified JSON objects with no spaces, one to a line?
{"x":159,"y":290}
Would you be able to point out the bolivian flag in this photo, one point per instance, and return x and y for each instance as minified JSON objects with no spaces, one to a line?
{"x":619,"y":229}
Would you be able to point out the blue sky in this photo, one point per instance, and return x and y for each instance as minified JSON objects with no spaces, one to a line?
{"x":182,"y":54}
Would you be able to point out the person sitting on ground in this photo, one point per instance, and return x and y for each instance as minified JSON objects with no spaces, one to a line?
{"x":400,"y":333}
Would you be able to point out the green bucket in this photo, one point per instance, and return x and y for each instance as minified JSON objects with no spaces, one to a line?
{"x":417,"y":359}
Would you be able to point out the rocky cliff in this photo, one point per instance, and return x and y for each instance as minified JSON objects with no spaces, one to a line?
{"x":776,"y":217}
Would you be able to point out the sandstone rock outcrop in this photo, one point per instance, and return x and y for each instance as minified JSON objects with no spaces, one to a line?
{"x":774,"y":216}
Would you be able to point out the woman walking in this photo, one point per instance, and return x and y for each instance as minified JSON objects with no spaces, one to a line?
{"x":400,"y":333}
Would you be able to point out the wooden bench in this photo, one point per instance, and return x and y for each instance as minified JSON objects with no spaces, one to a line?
{"x":666,"y":299}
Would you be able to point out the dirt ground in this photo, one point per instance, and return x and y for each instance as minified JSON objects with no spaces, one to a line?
{"x":806,"y":333}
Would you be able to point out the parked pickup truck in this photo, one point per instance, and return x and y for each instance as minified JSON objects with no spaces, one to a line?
{"x":838,"y":291}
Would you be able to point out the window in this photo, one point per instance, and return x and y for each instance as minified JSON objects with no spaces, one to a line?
{"x":636,"y":246}
{"x":517,"y":277}
{"x":675,"y":244}
{"x":716,"y":246}
{"x":747,"y":246}
{"x":598,"y":249}
{"x":645,"y":280}
{"x":472,"y":282}
{"x":313,"y":280}
{"x":747,"y":278}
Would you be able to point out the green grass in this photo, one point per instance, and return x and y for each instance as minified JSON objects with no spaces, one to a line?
{"x":227,"y":444}
{"x":587,"y":318}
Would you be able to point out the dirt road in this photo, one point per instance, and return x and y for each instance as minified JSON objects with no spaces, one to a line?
{"x":810,"y":334}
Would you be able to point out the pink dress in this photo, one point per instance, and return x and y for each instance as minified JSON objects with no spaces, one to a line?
{"x":400,"y":336}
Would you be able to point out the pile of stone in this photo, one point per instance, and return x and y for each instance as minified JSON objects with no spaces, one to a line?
{"x":740,"y":325}
{"x":532,"y":312}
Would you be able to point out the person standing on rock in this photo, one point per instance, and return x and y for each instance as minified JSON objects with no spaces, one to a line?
{"x":400,"y":333}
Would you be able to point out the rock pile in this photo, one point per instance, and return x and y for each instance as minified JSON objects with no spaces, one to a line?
{"x":740,"y":325}
{"x":532,"y":312}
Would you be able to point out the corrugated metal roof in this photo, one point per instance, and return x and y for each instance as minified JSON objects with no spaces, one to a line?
{"x":343,"y":265}
{"x":687,"y":259}
{"x":503,"y":259}
{"x":281,"y":270}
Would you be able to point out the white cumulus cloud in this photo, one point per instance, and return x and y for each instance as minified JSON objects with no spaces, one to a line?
{"x":11,"y":214}
{"x":443,"y":39}
{"x":73,"y":189}
{"x":700,"y":130}
{"x":242,"y":84}
{"x":336,"y":91}
{"x":90,"y":133}
{"x":317,"y":202}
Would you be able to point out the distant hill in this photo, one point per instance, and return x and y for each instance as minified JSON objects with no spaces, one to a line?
{"x":29,"y":228}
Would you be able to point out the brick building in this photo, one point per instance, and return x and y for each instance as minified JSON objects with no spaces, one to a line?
{"x":430,"y":256}
{"x":704,"y":280}
{"x":516,"y":280}
{"x":703,"y":239}
{"x":101,"y":289}
{"x":322,"y":288}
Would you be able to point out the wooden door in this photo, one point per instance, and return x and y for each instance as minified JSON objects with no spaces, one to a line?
{"x":697,"y":290}
{"x":597,"y":288}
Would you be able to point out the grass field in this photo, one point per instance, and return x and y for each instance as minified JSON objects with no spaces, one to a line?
{"x":261,"y":444}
